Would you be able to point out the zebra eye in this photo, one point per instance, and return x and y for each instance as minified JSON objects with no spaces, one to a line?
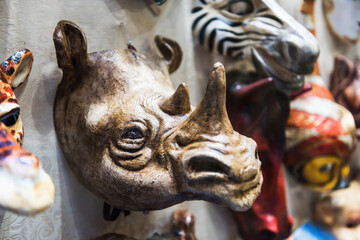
{"x":239,"y":7}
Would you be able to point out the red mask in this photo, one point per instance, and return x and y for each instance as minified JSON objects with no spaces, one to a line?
{"x":260,"y":111}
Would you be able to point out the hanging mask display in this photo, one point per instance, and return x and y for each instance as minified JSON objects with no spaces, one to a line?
{"x":138,"y":144}
{"x":343,"y":18}
{"x":183,"y":222}
{"x":25,"y":187}
{"x":320,"y":139}
{"x":260,"y":111}
{"x":261,"y":32}
{"x":345,"y":86}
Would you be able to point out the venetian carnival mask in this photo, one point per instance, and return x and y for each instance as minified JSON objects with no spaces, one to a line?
{"x":25,"y":187}
{"x":261,"y":32}
{"x":138,"y":144}
{"x":320,"y":139}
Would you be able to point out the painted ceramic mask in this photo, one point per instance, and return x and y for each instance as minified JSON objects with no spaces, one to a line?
{"x":183,"y":229}
{"x":25,"y":187}
{"x":138,"y":144}
{"x":336,"y":216}
{"x":343,"y":18}
{"x":339,"y":211}
{"x":260,"y":111}
{"x":345,"y":86}
{"x":320,"y":139}
{"x":261,"y":32}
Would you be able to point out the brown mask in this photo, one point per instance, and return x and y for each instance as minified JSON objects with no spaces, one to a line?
{"x":345,"y":85}
{"x":138,"y":144}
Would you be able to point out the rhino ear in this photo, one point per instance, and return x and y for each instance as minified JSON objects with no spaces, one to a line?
{"x":70,"y":45}
{"x":171,"y":52}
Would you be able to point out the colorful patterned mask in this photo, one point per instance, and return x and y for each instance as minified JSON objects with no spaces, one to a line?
{"x":320,"y":139}
{"x":25,"y":187}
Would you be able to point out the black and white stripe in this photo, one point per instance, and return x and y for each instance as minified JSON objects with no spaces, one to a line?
{"x":229,"y":27}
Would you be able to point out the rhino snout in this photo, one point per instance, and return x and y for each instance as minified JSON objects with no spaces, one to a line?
{"x":215,"y":164}
{"x":226,"y":172}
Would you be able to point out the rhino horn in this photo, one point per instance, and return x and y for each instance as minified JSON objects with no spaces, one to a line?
{"x":178,"y":103}
{"x":171,"y":52}
{"x":212,"y":110}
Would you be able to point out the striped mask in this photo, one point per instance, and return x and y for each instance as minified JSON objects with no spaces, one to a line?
{"x":258,"y":31}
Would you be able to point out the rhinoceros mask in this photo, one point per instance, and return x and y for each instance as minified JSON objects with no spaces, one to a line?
{"x":138,"y":144}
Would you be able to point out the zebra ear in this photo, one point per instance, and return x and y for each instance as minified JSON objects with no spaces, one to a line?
{"x":171,"y":52}
{"x":70,"y":45}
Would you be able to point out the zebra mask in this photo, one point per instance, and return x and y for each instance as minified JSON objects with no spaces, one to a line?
{"x":259,"y":32}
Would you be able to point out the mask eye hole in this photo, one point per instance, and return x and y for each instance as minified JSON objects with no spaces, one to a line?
{"x":321,"y":172}
{"x":11,"y":118}
{"x":239,"y":7}
{"x":327,"y":168}
{"x":353,"y":224}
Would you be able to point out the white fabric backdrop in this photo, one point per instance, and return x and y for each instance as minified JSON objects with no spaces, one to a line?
{"x":76,"y":213}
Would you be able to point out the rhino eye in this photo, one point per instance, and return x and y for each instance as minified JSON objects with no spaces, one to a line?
{"x":10,"y":118}
{"x":133,"y":134}
{"x":132,"y":139}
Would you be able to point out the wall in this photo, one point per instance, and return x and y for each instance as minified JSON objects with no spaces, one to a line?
{"x":76,"y":213}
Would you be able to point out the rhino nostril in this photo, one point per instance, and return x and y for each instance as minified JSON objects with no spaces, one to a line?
{"x":201,"y":164}
{"x":249,"y":175}
{"x":182,"y":141}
